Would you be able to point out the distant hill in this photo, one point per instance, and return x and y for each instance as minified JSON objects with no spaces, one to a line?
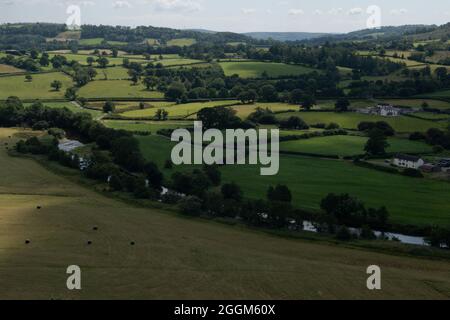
{"x":383,"y":33}
{"x":285,"y":36}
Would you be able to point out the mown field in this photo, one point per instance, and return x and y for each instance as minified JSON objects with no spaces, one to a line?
{"x":117,"y":89}
{"x":112,"y":73}
{"x":350,"y":120}
{"x":38,"y":88}
{"x":410,"y":201}
{"x":256,"y":69}
{"x":176,"y":110}
{"x":350,"y":146}
{"x":4,"y":69}
{"x":181,"y":42}
{"x":174,"y":257}
{"x":146,"y":126}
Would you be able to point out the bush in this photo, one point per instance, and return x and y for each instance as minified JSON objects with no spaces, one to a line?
{"x":344,"y":234}
{"x":40,"y":125}
{"x":191,"y":206}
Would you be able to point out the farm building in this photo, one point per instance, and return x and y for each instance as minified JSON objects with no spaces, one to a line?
{"x":69,"y":145}
{"x":407,"y":161}
{"x":382,"y":110}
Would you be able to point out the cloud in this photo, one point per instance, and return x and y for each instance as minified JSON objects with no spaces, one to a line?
{"x":296,"y":12}
{"x":176,"y":5}
{"x":318,"y":12}
{"x":335,"y":11}
{"x":248,"y":10}
{"x":397,"y":12}
{"x":120,"y":4}
{"x":355,"y":11}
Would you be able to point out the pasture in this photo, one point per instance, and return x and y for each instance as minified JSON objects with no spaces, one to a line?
{"x":112,"y":73}
{"x":173,"y":257}
{"x":38,"y":88}
{"x":176,"y":110}
{"x":117,"y":89}
{"x":256,"y":69}
{"x":181,"y":42}
{"x":71,"y":106}
{"x":411,"y":201}
{"x":146,"y":126}
{"x":178,"y":62}
{"x":350,"y":120}
{"x":350,"y":146}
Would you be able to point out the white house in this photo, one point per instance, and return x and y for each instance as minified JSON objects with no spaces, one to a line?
{"x":407,"y":161}
{"x":382,"y":110}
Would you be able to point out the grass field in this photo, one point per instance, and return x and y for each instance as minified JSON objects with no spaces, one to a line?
{"x":417,"y":103}
{"x":181,"y":42}
{"x":350,"y":145}
{"x":91,"y":41}
{"x":350,"y":120}
{"x":112,"y":73}
{"x":176,"y":110}
{"x":410,"y":201}
{"x":4,"y":68}
{"x":72,"y":107}
{"x":117,"y":89}
{"x":38,"y":88}
{"x":176,"y":62}
{"x":256,"y":69}
{"x":174,"y":258}
{"x":146,"y":126}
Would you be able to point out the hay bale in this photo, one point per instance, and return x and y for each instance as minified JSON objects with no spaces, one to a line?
{"x":89,"y":242}
{"x":95,"y":228}
{"x":132,"y":243}
{"x":39,"y":207}
{"x":27,"y":241}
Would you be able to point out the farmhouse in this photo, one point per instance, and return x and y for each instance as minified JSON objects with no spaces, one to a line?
{"x":382,"y":110}
{"x":407,"y":161}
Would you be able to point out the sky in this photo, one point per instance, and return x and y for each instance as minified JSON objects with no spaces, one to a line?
{"x":233,"y":15}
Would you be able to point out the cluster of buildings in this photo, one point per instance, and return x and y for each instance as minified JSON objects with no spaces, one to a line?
{"x":385,"y":110}
{"x":69,"y":146}
{"x":415,"y":162}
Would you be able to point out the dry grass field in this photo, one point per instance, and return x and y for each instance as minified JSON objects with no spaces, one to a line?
{"x":173,"y":257}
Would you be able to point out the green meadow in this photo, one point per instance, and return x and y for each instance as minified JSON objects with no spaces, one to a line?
{"x":256,"y":69}
{"x":410,"y":201}
{"x":350,"y":146}
{"x":176,"y":110}
{"x":146,"y":126}
{"x":38,"y":88}
{"x":350,"y":120}
{"x":181,"y":42}
{"x":117,"y":89}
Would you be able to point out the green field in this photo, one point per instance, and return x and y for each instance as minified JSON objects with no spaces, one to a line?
{"x":178,"y":62}
{"x":146,"y":126}
{"x":350,"y":120}
{"x":256,"y":69}
{"x":417,"y":103}
{"x":39,"y":88}
{"x":91,"y":41}
{"x":176,"y":110}
{"x":112,"y":73}
{"x":410,"y":201}
{"x":71,"y":106}
{"x":350,"y":146}
{"x":181,"y":42}
{"x":117,"y":89}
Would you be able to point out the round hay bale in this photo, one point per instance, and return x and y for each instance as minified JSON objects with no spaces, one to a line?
{"x":38,"y":207}
{"x":132,"y":243}
{"x":27,"y":241}
{"x":89,"y":242}
{"x":95,"y":228}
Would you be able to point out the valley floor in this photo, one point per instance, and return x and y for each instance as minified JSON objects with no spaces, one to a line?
{"x":173,"y":257}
